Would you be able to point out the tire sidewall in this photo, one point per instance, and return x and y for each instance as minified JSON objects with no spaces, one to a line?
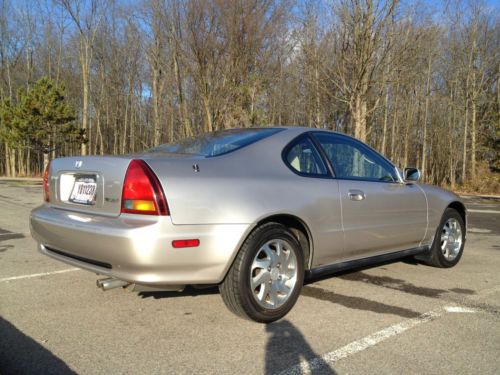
{"x":267,"y":233}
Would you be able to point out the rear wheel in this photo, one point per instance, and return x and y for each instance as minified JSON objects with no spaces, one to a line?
{"x":449,"y":241}
{"x":266,"y":277}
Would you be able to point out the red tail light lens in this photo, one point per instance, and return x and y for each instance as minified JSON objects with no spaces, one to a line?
{"x":142,"y":192}
{"x":46,"y":191}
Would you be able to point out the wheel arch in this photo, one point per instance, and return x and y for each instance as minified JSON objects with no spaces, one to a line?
{"x":460,"y":208}
{"x":300,"y":230}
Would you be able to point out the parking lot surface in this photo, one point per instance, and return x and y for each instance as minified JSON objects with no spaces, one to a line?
{"x":400,"y":317}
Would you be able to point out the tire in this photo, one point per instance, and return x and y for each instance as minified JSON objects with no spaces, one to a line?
{"x":276,"y":287}
{"x":446,"y":255}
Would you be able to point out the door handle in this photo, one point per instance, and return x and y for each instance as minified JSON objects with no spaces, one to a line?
{"x":356,"y":195}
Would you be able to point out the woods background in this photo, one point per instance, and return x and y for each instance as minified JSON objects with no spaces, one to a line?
{"x":419,"y":81}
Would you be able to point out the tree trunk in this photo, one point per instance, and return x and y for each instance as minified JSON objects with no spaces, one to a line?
{"x":359,"y":117}
{"x":393,"y":126}
{"x":13,"y":166}
{"x":451,"y":121}
{"x":12,"y":162}
{"x":386,"y":115}
{"x":464,"y":152}
{"x":188,"y":132}
{"x":7,"y":160}
{"x":125,"y":123}
{"x":85,"y":62}
{"x":473,"y":139}
{"x":426,"y":115}
{"x":99,"y":135}
{"x":208,"y":115}
{"x":317,"y":95}
{"x":156,"y":107}
{"x":132,"y":125}
{"x":45,"y":160}
{"x":28,"y":161}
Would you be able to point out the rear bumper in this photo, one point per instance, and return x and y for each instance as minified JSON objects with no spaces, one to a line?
{"x":135,"y":248}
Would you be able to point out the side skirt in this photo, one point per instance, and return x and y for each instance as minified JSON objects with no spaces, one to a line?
{"x":364,"y":262}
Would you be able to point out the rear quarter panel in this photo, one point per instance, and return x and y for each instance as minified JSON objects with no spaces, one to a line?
{"x":251,"y":184}
{"x":237,"y":187}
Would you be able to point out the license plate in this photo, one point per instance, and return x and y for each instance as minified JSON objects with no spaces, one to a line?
{"x":83,"y":191}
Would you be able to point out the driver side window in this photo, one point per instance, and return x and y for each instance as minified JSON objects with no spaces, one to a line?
{"x":352,"y":160}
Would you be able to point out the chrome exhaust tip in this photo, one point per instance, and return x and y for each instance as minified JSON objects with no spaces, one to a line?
{"x":111,"y":283}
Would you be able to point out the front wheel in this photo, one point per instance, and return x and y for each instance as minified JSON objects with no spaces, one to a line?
{"x":266,"y":277}
{"x":449,"y":241}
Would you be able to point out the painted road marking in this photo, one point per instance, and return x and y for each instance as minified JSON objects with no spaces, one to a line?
{"x":478,"y":230}
{"x":38,"y":274}
{"x":328,"y":359}
{"x":484,"y":211}
{"x":458,"y":309}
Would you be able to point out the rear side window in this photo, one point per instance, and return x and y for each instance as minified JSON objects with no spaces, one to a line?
{"x":217,"y":143}
{"x":303,"y":158}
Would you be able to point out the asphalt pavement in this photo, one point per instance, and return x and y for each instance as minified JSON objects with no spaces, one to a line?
{"x":396,"y":318}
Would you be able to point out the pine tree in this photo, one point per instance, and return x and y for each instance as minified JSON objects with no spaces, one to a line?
{"x":44,"y":119}
{"x":9,"y":135}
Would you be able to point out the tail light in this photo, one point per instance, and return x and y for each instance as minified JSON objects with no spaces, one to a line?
{"x":46,"y":191}
{"x":142,"y":192}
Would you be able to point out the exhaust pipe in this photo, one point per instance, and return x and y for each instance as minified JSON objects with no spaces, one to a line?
{"x":111,"y":283}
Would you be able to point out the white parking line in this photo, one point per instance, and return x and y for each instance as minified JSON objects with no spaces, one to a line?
{"x":458,"y":309}
{"x":38,"y":274}
{"x":328,"y":359}
{"x":484,"y":211}
{"x":478,"y":230}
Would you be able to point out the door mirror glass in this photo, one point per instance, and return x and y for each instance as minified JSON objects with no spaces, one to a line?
{"x":412,"y":174}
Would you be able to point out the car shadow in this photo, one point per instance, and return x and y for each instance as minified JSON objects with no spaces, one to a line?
{"x":189,"y":291}
{"x":357,"y":303}
{"x":20,"y":354}
{"x":287,"y":348}
{"x":408,"y":260}
{"x":6,"y":235}
{"x":352,"y":302}
{"x":402,"y":285}
{"x":360,"y":303}
{"x":193,"y":291}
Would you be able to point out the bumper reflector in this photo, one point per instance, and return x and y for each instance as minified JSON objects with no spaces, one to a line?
{"x":185,"y":243}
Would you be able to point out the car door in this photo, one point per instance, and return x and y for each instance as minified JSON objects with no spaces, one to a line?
{"x":318,"y":198}
{"x":380,"y":214}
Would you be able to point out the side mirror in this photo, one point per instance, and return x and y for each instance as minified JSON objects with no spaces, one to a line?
{"x":412,"y":174}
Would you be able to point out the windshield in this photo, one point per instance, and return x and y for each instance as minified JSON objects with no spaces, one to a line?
{"x":216,"y":143}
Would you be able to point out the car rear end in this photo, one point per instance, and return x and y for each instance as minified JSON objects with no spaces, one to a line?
{"x":110,"y":215}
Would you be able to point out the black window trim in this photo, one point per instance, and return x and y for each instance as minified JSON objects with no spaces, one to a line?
{"x":292,"y":143}
{"x":312,"y":134}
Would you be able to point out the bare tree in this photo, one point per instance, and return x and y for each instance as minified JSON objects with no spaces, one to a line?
{"x":358,"y":41}
{"x":87,"y":16}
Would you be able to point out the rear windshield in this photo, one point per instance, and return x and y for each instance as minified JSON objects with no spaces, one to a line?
{"x":216,"y":143}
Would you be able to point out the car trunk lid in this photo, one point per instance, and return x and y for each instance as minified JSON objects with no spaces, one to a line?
{"x":88,"y":184}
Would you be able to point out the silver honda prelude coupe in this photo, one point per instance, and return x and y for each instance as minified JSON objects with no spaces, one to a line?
{"x":254,"y":211}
